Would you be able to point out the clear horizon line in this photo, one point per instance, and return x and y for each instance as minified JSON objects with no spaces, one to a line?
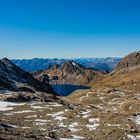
{"x":65,"y":58}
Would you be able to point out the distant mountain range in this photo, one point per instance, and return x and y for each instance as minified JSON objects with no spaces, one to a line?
{"x":101,"y":64}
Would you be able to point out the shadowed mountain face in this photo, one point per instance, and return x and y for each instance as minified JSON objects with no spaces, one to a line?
{"x":15,"y":79}
{"x":125,"y":76}
{"x":69,"y":73}
{"x":100,"y":64}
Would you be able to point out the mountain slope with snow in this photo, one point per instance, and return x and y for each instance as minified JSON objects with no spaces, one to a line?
{"x":15,"y":79}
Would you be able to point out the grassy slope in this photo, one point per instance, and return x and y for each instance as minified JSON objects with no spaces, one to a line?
{"x":128,"y":79}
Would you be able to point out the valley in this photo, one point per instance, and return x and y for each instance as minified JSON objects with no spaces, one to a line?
{"x":70,"y":102}
{"x":69,"y":69}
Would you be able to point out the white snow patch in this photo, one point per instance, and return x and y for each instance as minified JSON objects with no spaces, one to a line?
{"x":60,"y":118}
{"x":114,"y":125}
{"x":72,"y":126}
{"x":73,"y":63}
{"x":102,"y":98}
{"x":62,"y":125}
{"x":19,"y":112}
{"x":131,"y":137}
{"x":5,"y":106}
{"x":66,"y":110}
{"x":93,"y":120}
{"x":67,"y":139}
{"x":74,"y":129}
{"x":84,"y":97}
{"x":35,"y":103}
{"x":85,"y":116}
{"x":32,"y":116}
{"x":94,"y":123}
{"x":135,"y":119}
{"x":77,"y":137}
{"x":85,"y":112}
{"x":54,"y":104}
{"x":23,"y":111}
{"x":40,"y":121}
{"x":56,"y":114}
{"x":99,"y":106}
{"x":92,"y":126}
{"x":37,"y":107}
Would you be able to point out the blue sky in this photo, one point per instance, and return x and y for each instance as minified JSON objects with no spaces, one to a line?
{"x":69,"y":28}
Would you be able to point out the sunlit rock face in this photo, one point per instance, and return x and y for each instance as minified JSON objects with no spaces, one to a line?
{"x":70,"y":73}
{"x":130,"y":60}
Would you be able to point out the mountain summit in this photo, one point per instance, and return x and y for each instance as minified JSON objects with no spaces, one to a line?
{"x":130,"y":60}
{"x":70,"y":73}
{"x":125,"y":76}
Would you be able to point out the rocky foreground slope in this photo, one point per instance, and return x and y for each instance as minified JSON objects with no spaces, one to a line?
{"x":84,"y":115}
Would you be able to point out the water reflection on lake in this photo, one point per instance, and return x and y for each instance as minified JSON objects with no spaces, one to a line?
{"x":67,"y":89}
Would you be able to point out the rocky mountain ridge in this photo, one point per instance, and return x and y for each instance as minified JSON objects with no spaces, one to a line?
{"x":130,"y":60}
{"x":13,"y":78}
{"x":69,"y":73}
{"x":125,"y":76}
